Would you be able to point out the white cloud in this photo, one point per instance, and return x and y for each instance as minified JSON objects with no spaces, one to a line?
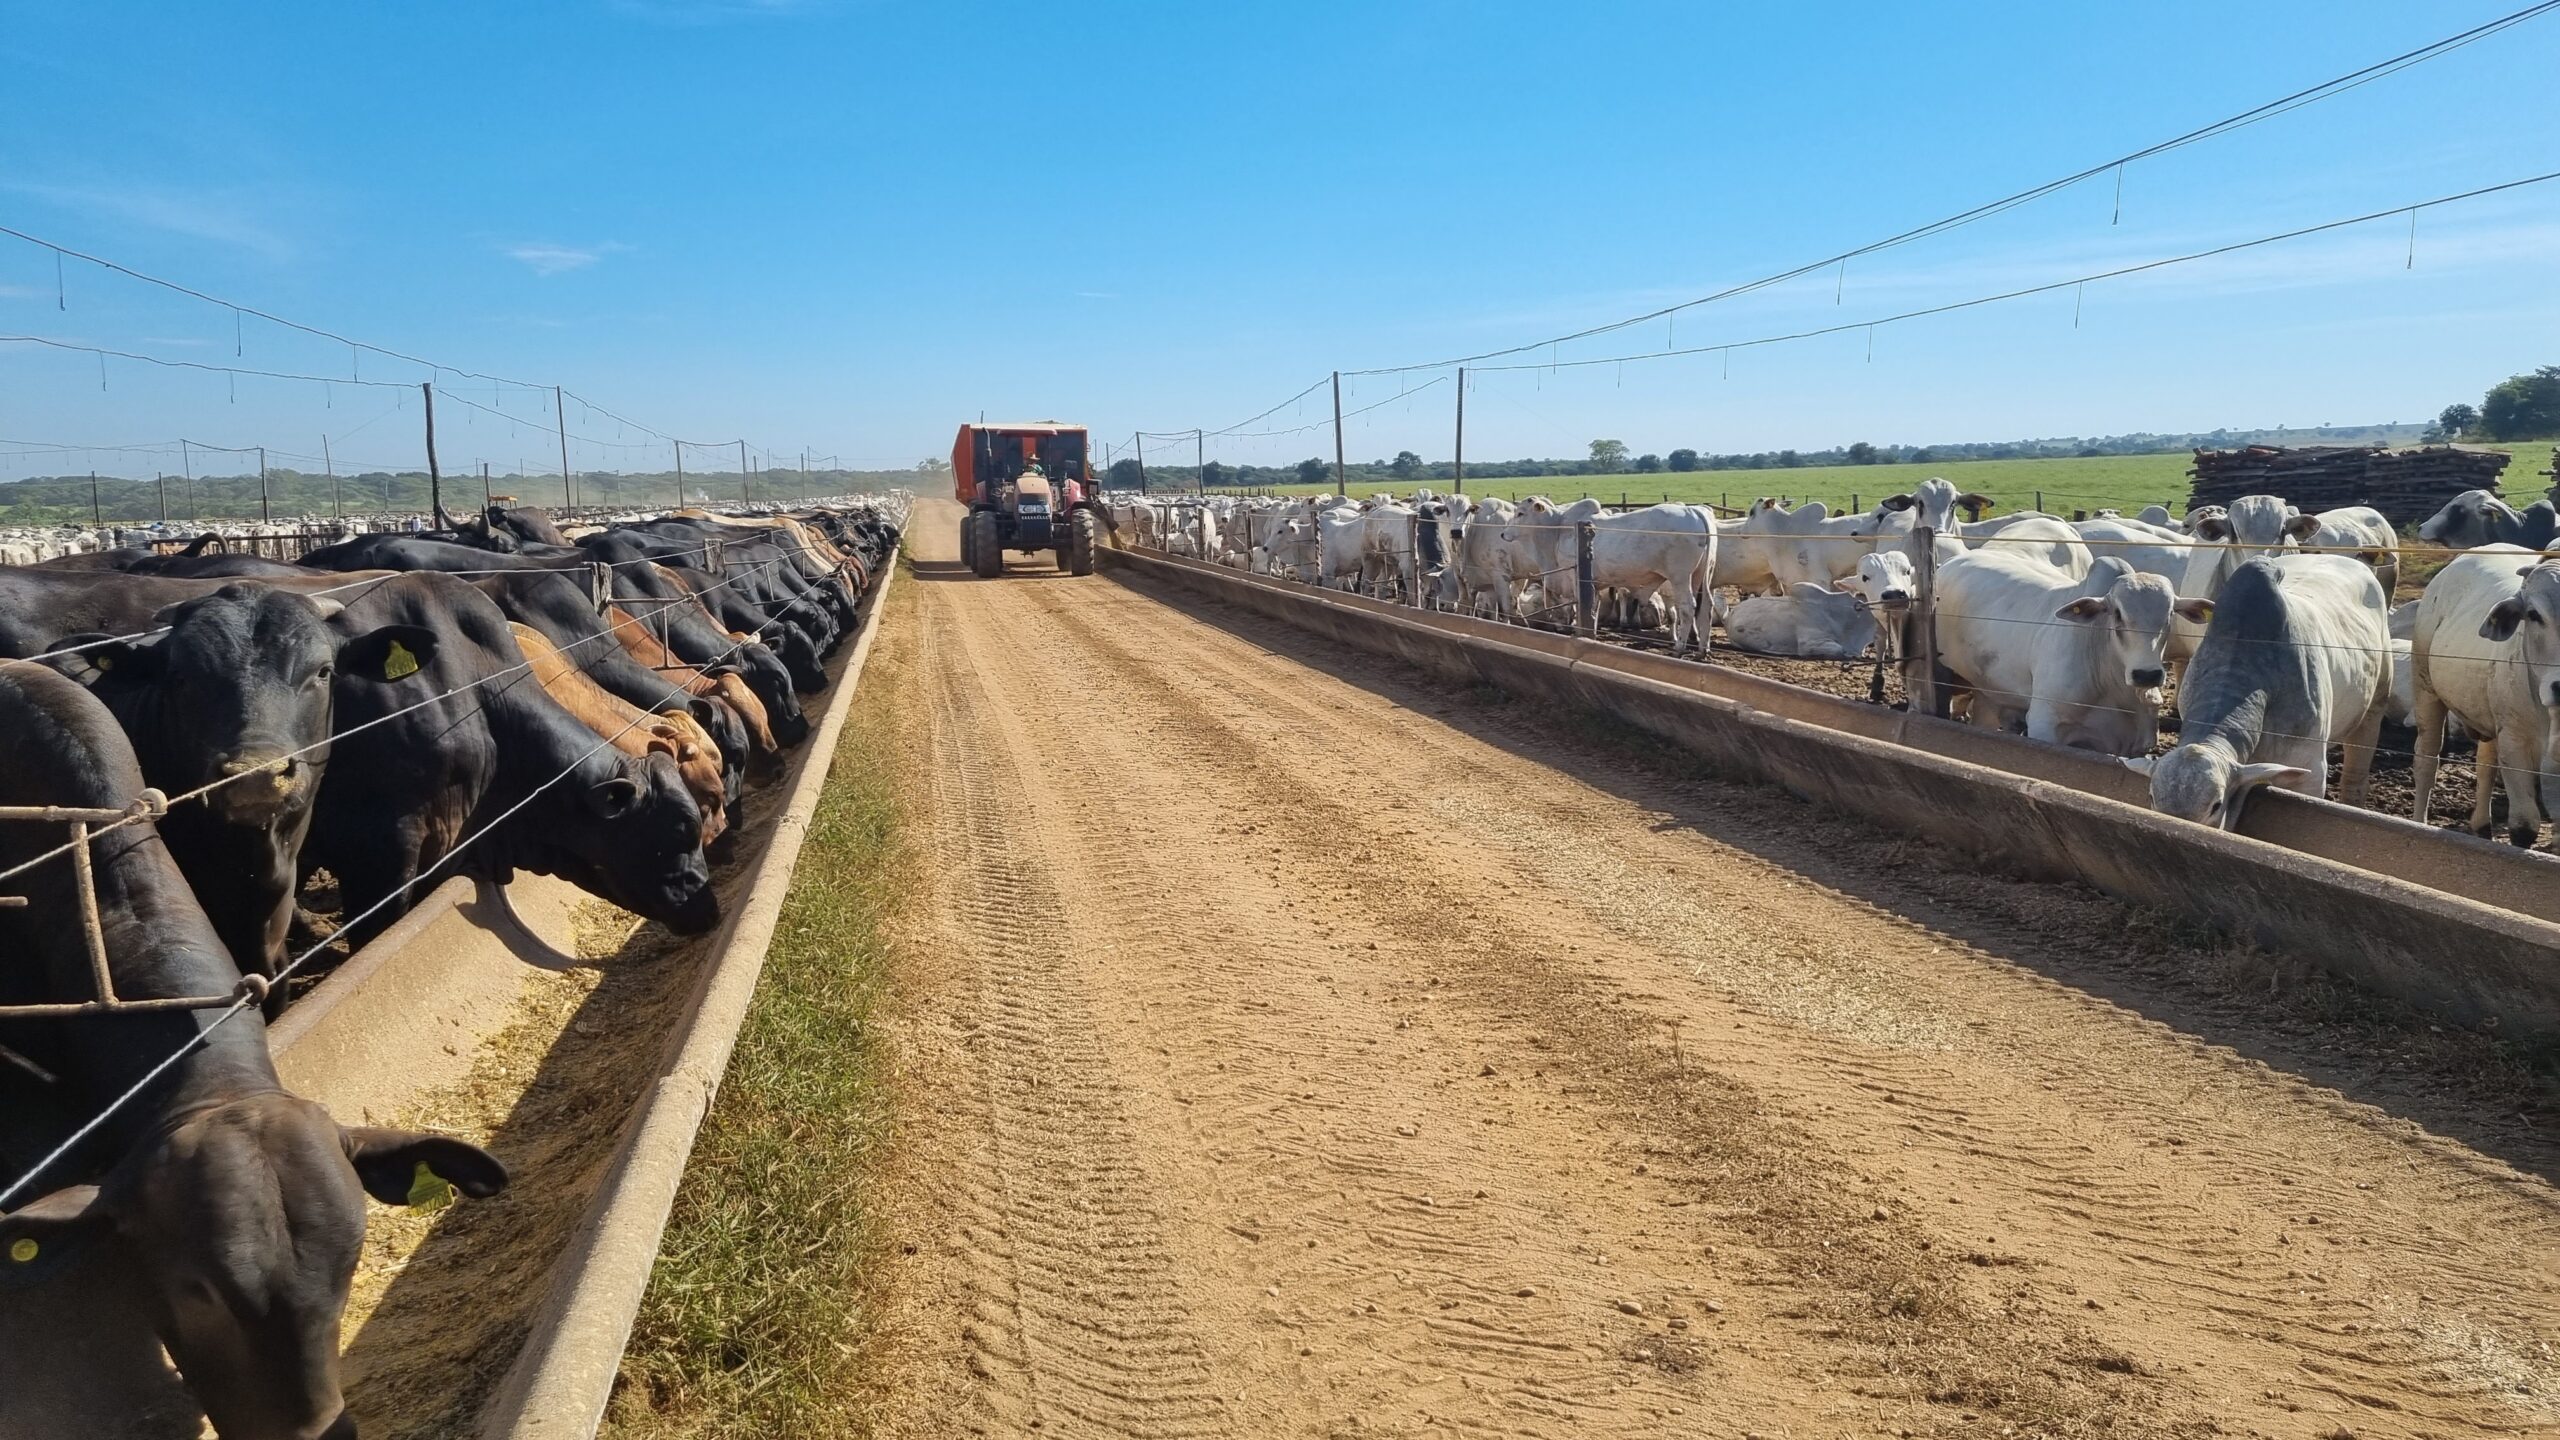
{"x":547,"y":259}
{"x":224,"y":218}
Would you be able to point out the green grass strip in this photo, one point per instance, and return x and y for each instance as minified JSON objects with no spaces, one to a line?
{"x":758,"y":1294}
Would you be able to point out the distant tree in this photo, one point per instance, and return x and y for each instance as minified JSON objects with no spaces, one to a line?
{"x":1862,"y":453}
{"x":2089,"y":451}
{"x":2523,"y":406}
{"x":1648,"y":464}
{"x":932,"y":463}
{"x":1923,"y":455}
{"x":1313,"y":472}
{"x":1684,"y":460}
{"x":1216,"y":474}
{"x":1788,"y":459}
{"x":1406,"y":465}
{"x":1608,"y":457}
{"x":2458,"y":420}
{"x":1123,"y":476}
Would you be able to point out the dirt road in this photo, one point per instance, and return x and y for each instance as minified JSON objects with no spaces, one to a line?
{"x":1294,"y":1047}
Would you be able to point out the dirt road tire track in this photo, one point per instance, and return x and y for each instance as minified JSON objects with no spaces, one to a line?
{"x":1283,"y":1058}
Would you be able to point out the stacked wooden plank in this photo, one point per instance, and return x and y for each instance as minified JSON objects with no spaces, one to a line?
{"x":2406,"y":485}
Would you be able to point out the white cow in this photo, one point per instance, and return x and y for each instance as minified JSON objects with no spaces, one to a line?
{"x":2074,"y":661}
{"x":1808,"y":621}
{"x":1805,"y":545}
{"x":1884,"y":584}
{"x":2486,"y":650}
{"x":1670,"y":548}
{"x":2297,"y":657}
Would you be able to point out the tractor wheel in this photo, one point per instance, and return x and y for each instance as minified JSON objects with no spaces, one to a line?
{"x":986,"y":550}
{"x":969,"y":541}
{"x":1081,"y":538}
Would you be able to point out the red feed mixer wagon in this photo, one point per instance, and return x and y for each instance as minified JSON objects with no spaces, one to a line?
{"x":1029,"y":488}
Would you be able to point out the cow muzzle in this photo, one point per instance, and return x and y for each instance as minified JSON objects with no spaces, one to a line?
{"x":253,"y":791}
{"x":2148,"y":678}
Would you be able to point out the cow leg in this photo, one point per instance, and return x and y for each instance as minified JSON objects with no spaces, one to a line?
{"x":2524,"y":791}
{"x":2484,"y":767}
{"x":2429,"y":751}
{"x":2355,"y":774}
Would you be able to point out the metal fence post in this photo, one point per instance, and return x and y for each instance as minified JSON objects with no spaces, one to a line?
{"x":1413,"y":560}
{"x":1920,"y":657}
{"x":1586,"y":599}
{"x":600,"y":585}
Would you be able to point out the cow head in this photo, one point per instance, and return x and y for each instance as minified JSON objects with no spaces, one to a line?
{"x":1884,"y":584}
{"x":238,"y":683}
{"x":232,"y":1236}
{"x":2258,"y":524}
{"x":2528,"y":624}
{"x":639,"y":844}
{"x":1931,"y":503}
{"x":2205,"y":784}
{"x":2129,"y":623}
{"x":2474,"y":517}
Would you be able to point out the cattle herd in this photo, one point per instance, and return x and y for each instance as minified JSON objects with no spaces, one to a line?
{"x":2269,"y":633}
{"x":235,"y":733}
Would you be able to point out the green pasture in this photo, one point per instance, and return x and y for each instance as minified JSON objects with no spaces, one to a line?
{"x":2122,"y":482}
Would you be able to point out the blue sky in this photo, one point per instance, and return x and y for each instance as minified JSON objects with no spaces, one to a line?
{"x":848,"y":226}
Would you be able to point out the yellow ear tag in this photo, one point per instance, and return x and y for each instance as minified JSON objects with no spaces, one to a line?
{"x":399,"y":664}
{"x":428,"y":1190}
{"x":22,"y":1249}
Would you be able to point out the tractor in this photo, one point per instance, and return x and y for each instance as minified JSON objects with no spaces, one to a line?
{"x":1029,"y":488}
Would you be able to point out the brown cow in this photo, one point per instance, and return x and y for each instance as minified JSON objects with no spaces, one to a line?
{"x":764,"y":753}
{"x":630,"y":729}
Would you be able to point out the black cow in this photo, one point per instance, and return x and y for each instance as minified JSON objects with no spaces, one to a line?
{"x":671,"y":612}
{"x":551,"y":595}
{"x":239,"y":686}
{"x":403,"y":796}
{"x":216,"y":1215}
{"x":687,"y":628}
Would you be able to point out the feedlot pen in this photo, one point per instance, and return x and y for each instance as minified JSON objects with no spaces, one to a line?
{"x":1331,"y":1051}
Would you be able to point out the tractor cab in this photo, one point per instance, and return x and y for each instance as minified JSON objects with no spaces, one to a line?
{"x":1029,"y":488}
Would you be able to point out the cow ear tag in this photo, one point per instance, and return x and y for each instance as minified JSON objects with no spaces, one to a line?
{"x":428,"y":1190}
{"x":399,"y":664}
{"x":23,"y":1249}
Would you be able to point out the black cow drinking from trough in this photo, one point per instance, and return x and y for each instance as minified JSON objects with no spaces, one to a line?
{"x":216,"y":1215}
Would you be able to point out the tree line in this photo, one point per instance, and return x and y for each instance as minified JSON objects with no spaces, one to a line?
{"x":2520,"y":407}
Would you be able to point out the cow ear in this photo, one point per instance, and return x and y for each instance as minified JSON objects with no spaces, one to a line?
{"x":2141,"y":765}
{"x":104,"y":655}
{"x":2193,"y":611}
{"x":389,"y":1163}
{"x":2302,"y":527}
{"x":1974,"y":503}
{"x":46,"y":1229}
{"x":2503,"y":619}
{"x":2213,"y":527}
{"x":391,"y":653}
{"x":614,"y":798}
{"x":329,"y":606}
{"x":2088,"y":607}
{"x":2261,"y":773}
{"x":1895,"y":502}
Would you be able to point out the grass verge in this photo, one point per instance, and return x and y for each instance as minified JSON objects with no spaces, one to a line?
{"x":759,"y":1294}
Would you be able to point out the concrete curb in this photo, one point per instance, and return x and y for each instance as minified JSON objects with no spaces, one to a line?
{"x":560,"y":1385}
{"x":2443,"y":921}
